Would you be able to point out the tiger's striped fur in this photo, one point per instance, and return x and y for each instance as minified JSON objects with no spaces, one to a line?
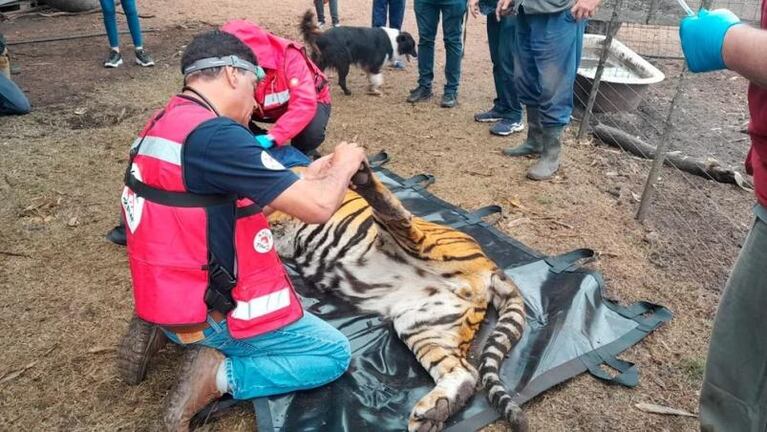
{"x":433,"y":282}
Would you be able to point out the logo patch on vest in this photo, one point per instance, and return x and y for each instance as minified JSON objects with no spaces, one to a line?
{"x":270,"y":163}
{"x":132,"y":203}
{"x":263,"y":241}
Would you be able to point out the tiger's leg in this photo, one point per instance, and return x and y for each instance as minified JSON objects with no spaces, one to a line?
{"x":387,"y":208}
{"x":441,"y":353}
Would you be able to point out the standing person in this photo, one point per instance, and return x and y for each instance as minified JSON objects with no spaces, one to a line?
{"x":549,"y":39}
{"x":427,"y":15}
{"x":110,"y":22}
{"x":734,"y":393}
{"x":319,"y":6}
{"x":506,"y":110}
{"x":395,"y":11}
{"x":202,"y":258}
{"x":293,"y":94}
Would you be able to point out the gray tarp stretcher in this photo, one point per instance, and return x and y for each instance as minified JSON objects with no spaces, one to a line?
{"x":571,"y":329}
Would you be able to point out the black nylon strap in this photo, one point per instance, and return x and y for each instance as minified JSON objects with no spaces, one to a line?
{"x":378,"y":159}
{"x":176,"y":199}
{"x":418,"y":182}
{"x":476,"y":216}
{"x":568,"y":260}
{"x":628,"y":376}
{"x":243,"y":212}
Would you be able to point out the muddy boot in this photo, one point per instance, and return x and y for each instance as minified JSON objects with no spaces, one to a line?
{"x":137,"y":347}
{"x":196,"y":388}
{"x":545,"y":168}
{"x":533,"y":144}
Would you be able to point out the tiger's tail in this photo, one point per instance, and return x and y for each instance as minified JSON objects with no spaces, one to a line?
{"x":507,"y":332}
{"x":310,"y":31}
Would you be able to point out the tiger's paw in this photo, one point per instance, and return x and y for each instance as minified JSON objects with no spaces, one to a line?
{"x":430,"y":414}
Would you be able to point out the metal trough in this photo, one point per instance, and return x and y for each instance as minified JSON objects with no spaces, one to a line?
{"x":625,"y":77}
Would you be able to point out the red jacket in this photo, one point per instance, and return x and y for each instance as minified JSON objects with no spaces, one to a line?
{"x":756,"y":162}
{"x":293,"y":84}
{"x":168,"y":251}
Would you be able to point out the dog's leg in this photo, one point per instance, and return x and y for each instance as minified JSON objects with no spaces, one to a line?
{"x":376,"y":80}
{"x":343,"y":71}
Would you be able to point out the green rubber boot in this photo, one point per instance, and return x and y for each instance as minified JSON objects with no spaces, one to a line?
{"x":548,"y":164}
{"x":533,"y":144}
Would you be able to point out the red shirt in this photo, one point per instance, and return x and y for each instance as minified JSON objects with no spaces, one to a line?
{"x":756,"y":162}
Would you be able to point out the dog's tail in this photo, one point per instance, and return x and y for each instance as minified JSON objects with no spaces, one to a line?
{"x":310,"y":31}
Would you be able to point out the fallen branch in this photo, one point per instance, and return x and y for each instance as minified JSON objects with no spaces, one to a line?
{"x":15,"y":254}
{"x":660,"y":409}
{"x":707,"y":168}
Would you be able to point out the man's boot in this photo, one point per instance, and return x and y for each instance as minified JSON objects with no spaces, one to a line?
{"x":137,"y":347}
{"x":548,"y":164}
{"x":195,"y":389}
{"x":533,"y":144}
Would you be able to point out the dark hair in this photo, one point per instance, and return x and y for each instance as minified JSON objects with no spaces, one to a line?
{"x":215,"y":43}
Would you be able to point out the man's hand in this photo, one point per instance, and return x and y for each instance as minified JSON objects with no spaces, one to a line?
{"x":319,"y":168}
{"x":583,"y":9}
{"x":703,"y":37}
{"x":505,"y":7}
{"x":347,"y":156}
{"x":474,"y":8}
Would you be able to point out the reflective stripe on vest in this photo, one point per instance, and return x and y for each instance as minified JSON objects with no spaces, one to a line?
{"x":160,"y":148}
{"x":263,"y":305}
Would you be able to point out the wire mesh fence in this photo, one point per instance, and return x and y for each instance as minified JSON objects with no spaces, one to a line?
{"x":634,"y":93}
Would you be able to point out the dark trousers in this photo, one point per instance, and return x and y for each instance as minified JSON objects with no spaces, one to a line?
{"x":314,"y":133}
{"x":320,"y":8}
{"x":734,"y":393}
{"x":427,"y":14}
{"x":12,"y":99}
{"x":546,"y":57}
{"x":500,"y":38}
{"x":395,"y":10}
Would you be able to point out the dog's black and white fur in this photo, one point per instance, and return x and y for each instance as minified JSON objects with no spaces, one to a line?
{"x":368,"y":48}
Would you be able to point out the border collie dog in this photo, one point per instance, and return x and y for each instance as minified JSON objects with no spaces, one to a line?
{"x":368,"y":48}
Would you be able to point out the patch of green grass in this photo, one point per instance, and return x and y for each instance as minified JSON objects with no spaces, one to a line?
{"x":693,"y":368}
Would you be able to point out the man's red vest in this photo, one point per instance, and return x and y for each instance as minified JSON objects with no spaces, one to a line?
{"x":168,"y":243}
{"x":756,"y":163}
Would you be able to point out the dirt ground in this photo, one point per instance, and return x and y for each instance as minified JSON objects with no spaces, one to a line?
{"x":66,"y":291}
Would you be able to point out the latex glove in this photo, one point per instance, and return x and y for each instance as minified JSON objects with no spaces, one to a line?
{"x":265,"y":141}
{"x":702,"y":38}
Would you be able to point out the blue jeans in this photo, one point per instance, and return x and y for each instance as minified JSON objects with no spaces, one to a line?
{"x":320,"y":8}
{"x":306,"y":354}
{"x":396,"y":12}
{"x":500,"y":38}
{"x":546,"y":58}
{"x":12,"y":99}
{"x":427,"y":17}
{"x":110,"y":21}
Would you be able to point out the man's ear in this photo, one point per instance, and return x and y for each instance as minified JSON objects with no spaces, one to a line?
{"x":232,"y":77}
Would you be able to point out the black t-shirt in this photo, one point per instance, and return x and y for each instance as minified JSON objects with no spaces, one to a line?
{"x":222,"y":157}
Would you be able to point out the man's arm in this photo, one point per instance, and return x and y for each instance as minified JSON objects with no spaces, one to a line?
{"x":318,"y":194}
{"x":715,"y":40}
{"x":745,"y":52}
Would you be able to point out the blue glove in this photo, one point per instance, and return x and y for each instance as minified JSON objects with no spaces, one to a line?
{"x":703,"y":36}
{"x":265,"y":141}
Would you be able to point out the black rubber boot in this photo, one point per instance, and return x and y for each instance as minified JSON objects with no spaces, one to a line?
{"x":533,"y":144}
{"x":117,"y":235}
{"x":545,"y":168}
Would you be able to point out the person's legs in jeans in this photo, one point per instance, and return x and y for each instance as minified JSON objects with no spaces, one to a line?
{"x":508,"y":100}
{"x":313,"y":134}
{"x":396,"y":13}
{"x":380,"y":8}
{"x":12,"y":99}
{"x":131,"y":14}
{"x":320,"y":8}
{"x":306,"y":354}
{"x":734,"y":393}
{"x":452,"y":30}
{"x":427,"y":18}
{"x":110,"y":22}
{"x":334,"y":12}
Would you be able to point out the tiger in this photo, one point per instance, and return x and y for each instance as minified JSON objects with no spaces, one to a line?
{"x":434,"y":283}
